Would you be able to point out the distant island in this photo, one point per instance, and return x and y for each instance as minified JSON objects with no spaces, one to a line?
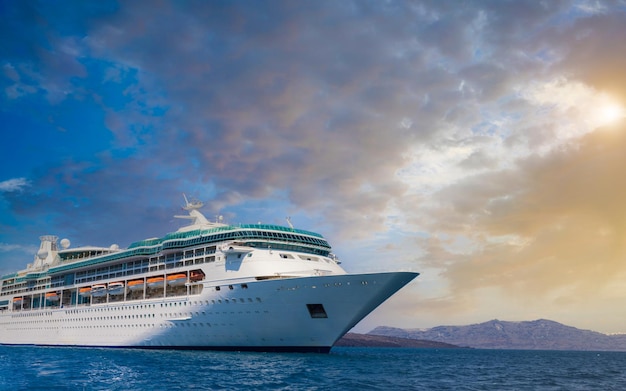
{"x":538,"y":334}
{"x":381,"y":341}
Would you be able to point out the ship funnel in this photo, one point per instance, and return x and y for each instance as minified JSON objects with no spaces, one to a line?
{"x":47,"y":251}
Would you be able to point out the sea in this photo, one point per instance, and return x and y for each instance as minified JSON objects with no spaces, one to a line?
{"x":345,"y":368}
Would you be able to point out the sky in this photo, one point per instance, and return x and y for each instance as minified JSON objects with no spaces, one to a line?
{"x":479,"y":143}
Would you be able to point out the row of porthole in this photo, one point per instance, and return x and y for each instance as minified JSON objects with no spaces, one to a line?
{"x":184,"y":303}
{"x":31,"y":314}
{"x":204,"y":313}
{"x":87,"y":310}
{"x":162,"y":325}
{"x":141,"y":307}
{"x":327,"y":285}
{"x":125,"y":317}
{"x":195,"y":324}
{"x":108,"y":326}
{"x":168,"y":315}
{"x":80,"y":327}
{"x":118,"y":317}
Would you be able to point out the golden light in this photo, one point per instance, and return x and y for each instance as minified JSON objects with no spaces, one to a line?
{"x":574,"y":106}
{"x":610,"y":113}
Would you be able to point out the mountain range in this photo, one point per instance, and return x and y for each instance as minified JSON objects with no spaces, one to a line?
{"x":539,"y":334}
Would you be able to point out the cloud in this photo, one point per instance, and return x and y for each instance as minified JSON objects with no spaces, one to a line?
{"x":271,"y":114}
{"x":6,"y":247}
{"x":461,"y":138}
{"x":591,"y":55}
{"x":276,"y":95}
{"x":551,"y":229}
{"x":330,"y":113}
{"x":15,"y":184}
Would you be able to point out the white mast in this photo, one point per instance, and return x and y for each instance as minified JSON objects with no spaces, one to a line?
{"x":198,"y":220}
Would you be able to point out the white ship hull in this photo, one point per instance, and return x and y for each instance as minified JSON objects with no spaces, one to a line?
{"x":205,"y":286}
{"x":269,"y":315}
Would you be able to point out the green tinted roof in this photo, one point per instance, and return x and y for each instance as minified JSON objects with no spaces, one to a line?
{"x":190,"y":238}
{"x":199,"y":232}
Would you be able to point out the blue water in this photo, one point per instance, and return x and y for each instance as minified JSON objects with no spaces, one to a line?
{"x":35,"y":368}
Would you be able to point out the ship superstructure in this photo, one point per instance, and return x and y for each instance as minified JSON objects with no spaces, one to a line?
{"x":208,"y":285}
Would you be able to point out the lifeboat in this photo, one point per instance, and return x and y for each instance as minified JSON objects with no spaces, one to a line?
{"x":196,"y":275}
{"x":156,"y":282}
{"x":52,"y":296}
{"x":177,"y":279}
{"x":135,"y":285}
{"x":117,"y":288}
{"x":18,"y":300}
{"x":99,"y":290}
{"x":85,"y":292}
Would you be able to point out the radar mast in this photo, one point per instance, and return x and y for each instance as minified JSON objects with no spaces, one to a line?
{"x":193,"y":205}
{"x":198,"y":220}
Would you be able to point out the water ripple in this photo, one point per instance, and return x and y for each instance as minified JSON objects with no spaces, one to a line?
{"x":50,"y":369}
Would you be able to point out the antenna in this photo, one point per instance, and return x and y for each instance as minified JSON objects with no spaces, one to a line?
{"x":288,"y":218}
{"x":196,"y":217}
{"x":194,"y":204}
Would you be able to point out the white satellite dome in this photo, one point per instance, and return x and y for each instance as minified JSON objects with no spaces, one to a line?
{"x":65,"y":243}
{"x":114,"y":247}
{"x":42,"y":254}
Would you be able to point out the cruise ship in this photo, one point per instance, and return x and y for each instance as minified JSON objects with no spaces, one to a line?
{"x":209,"y":285}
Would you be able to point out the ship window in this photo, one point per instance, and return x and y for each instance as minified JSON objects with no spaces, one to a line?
{"x":316,"y":311}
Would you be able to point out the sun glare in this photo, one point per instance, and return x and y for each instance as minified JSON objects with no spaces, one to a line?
{"x":576,"y":107}
{"x":611,"y":113}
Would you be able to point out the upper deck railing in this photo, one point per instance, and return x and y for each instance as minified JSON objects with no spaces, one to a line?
{"x":185,"y":239}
